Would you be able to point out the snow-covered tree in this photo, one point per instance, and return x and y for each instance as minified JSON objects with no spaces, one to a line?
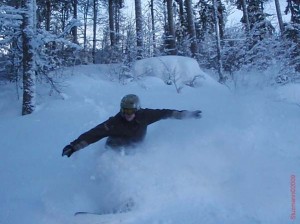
{"x":10,"y":51}
{"x":242,"y":5}
{"x":292,"y":33}
{"x":204,"y":19}
{"x":293,"y":7}
{"x":210,"y":29}
{"x":31,"y":51}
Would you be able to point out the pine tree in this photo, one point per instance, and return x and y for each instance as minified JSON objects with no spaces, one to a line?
{"x":10,"y":52}
{"x":260,"y":27}
{"x":292,"y":33}
{"x":205,"y":19}
{"x":242,"y":5}
{"x":294,"y":8}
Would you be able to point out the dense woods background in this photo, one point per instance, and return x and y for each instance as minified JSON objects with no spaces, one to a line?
{"x":40,"y":36}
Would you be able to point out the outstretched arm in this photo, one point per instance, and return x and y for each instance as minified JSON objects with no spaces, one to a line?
{"x":87,"y":138}
{"x":153,"y":115}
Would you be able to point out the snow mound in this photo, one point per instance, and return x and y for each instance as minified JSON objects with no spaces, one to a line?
{"x":173,"y":70}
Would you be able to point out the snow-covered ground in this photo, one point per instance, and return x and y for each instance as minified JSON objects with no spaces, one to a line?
{"x":232,"y":166}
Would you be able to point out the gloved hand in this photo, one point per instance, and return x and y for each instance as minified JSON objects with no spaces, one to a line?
{"x":187,"y":114}
{"x":68,"y":150}
{"x":195,"y":114}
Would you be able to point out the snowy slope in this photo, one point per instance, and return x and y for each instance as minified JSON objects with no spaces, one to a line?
{"x":232,"y":166}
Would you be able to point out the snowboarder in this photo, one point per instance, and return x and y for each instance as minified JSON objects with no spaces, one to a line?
{"x":128,"y":127}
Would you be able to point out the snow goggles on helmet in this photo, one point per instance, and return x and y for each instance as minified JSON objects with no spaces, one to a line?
{"x":128,"y":111}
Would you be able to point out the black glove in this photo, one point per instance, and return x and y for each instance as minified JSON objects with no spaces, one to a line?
{"x":68,"y":150}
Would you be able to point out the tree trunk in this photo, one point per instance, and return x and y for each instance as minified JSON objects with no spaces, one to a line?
{"x":139,"y":28}
{"x":171,"y":29}
{"x":191,"y":28}
{"x":85,"y":18}
{"x":153,"y":24}
{"x":29,"y":76}
{"x":111,"y":23}
{"x":117,"y":21}
{"x":279,"y":16}
{"x":182,"y":29}
{"x":181,"y":12}
{"x":218,"y":39}
{"x":246,"y":16}
{"x":64,"y":14}
{"x":74,"y":29}
{"x":221,"y":19}
{"x":48,"y":15}
{"x":95,"y":11}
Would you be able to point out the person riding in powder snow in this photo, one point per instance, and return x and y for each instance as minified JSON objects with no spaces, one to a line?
{"x":128,"y":127}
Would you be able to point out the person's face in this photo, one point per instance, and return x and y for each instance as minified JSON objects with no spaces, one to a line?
{"x":129,"y":117}
{"x":128,"y":114}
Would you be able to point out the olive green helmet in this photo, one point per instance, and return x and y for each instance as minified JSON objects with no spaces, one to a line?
{"x":130,"y":101}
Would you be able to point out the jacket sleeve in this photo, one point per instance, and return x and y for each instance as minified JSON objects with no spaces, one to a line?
{"x":153,"y":115}
{"x":95,"y":134}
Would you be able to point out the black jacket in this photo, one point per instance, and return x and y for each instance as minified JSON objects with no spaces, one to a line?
{"x":122,"y":132}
